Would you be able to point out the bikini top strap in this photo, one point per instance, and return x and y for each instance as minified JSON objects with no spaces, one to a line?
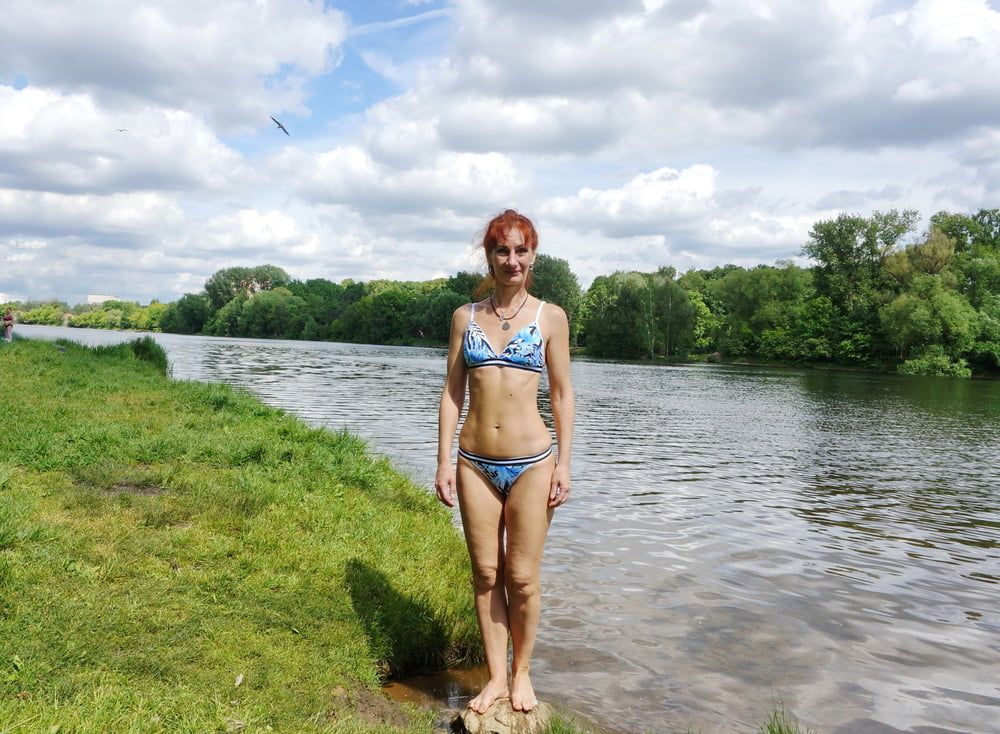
{"x":472,"y":320}
{"x":539,"y":312}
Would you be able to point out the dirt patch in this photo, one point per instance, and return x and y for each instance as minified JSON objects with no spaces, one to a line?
{"x":369,"y":707}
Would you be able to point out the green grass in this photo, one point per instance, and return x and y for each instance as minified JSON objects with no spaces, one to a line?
{"x":781,"y":722}
{"x":178,"y":557}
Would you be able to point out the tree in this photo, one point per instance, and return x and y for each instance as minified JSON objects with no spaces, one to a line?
{"x":378,"y":318}
{"x":850,"y":251}
{"x":226,"y":321}
{"x":986,"y":351}
{"x":186,"y":315}
{"x":431,"y":314}
{"x":273,"y":313}
{"x":674,"y":315}
{"x":752,"y":302}
{"x":930,"y":315}
{"x":633,"y":315}
{"x":554,"y":282}
{"x":613,"y":311}
{"x":229,"y":283}
{"x":466,"y":285}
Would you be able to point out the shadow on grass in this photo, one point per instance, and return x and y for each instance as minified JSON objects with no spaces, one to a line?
{"x":403,"y":632}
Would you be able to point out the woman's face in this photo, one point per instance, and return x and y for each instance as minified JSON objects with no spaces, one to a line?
{"x":511,"y":259}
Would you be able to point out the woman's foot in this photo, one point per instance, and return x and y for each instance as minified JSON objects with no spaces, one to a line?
{"x":522,"y":695}
{"x":494,"y":689}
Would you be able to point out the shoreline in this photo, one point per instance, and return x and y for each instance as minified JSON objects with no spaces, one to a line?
{"x":697,"y":359}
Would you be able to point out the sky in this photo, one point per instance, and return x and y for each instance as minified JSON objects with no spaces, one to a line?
{"x":138,"y":155}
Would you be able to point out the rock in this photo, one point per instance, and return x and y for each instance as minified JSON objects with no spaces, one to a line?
{"x":500,"y":718}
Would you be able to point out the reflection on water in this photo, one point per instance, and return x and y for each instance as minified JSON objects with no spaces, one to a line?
{"x":736,"y":536}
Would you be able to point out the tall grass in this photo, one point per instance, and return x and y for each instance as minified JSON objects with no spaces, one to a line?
{"x":177,"y":556}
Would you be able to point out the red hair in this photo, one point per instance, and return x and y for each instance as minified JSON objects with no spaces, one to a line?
{"x":496,"y":234}
{"x":501,"y":225}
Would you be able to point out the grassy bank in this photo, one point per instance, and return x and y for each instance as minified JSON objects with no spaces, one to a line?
{"x":177,"y":557}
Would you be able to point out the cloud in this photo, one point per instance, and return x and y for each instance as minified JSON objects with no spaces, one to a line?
{"x":116,"y":220}
{"x":650,"y":203}
{"x":634,"y":78}
{"x":234,"y":62}
{"x":675,"y":213}
{"x":348,"y":175}
{"x":67,"y":143}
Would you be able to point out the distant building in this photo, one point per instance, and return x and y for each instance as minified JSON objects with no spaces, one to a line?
{"x":93,"y":298}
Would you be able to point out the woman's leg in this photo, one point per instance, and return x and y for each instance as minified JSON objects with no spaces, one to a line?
{"x":526,"y":517}
{"x":482,"y":519}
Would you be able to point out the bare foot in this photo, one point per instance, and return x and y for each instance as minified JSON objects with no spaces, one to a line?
{"x":493,"y":690}
{"x":522,"y":696}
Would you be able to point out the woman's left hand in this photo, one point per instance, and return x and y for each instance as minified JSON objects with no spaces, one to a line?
{"x":560,"y":488}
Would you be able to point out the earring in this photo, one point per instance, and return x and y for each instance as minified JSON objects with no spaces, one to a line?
{"x":531,"y":267}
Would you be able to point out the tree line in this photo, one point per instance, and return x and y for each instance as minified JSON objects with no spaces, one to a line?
{"x":878,"y":296}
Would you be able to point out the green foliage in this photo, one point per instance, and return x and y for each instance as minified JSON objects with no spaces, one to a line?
{"x":430,"y":316}
{"x":46,"y":314}
{"x":985,"y":353}
{"x":633,"y":315}
{"x":554,"y":282}
{"x":754,"y":302}
{"x":467,"y":285}
{"x":378,"y":318}
{"x":780,"y":721}
{"x":226,"y":321}
{"x":936,"y":363}
{"x":187,"y":315}
{"x":241,"y":282}
{"x":273,"y":313}
{"x":145,"y":349}
{"x":850,"y":251}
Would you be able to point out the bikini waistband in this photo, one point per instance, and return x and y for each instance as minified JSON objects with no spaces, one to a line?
{"x":512,"y":460}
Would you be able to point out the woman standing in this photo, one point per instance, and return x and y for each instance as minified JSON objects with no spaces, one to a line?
{"x":508,"y":480}
{"x":8,"y":325}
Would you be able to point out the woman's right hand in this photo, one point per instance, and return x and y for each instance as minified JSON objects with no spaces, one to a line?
{"x":445,"y":484}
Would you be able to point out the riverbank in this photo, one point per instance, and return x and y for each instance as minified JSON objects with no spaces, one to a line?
{"x":176,"y":556}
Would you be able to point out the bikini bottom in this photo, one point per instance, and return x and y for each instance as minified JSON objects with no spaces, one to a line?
{"x":502,"y":473}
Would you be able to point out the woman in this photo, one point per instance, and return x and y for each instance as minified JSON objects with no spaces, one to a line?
{"x":8,"y":325}
{"x":508,"y":481}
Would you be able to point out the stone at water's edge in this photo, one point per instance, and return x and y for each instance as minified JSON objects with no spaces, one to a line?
{"x":500,"y":718}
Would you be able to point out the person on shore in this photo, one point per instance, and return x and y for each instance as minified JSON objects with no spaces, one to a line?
{"x":8,"y":325}
{"x":507,"y":480}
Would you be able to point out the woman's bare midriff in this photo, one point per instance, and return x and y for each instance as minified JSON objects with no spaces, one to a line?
{"x":503,"y":419}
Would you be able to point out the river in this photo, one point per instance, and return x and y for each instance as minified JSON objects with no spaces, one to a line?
{"x":737,"y":536}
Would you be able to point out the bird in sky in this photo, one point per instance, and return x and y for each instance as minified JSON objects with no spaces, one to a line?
{"x":123,"y":130}
{"x":281,"y":127}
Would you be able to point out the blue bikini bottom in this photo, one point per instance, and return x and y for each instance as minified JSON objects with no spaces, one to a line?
{"x":502,"y":473}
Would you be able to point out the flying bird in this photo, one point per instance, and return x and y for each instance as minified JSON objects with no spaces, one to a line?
{"x":123,"y":130}
{"x":281,"y":127}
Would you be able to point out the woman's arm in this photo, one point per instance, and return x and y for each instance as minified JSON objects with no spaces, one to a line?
{"x":452,"y":399}
{"x":561,"y":398}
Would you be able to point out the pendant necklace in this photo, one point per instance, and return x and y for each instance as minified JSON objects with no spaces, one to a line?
{"x":505,"y":320}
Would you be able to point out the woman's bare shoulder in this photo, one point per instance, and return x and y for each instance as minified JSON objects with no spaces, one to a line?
{"x":553,"y":315}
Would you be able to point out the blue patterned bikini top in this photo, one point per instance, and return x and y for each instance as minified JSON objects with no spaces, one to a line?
{"x":525,"y":351}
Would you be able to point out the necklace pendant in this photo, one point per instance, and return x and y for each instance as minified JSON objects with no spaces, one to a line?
{"x":505,"y":326}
